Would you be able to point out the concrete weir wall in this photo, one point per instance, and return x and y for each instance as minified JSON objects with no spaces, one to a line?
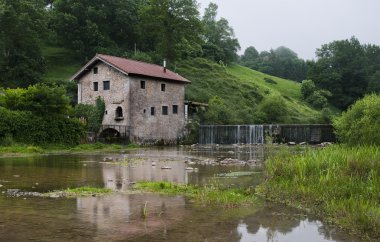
{"x":260,"y":134}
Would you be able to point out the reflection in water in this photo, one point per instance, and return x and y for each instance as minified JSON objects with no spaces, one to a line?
{"x":278,"y":223}
{"x":118,"y":217}
{"x":121,"y":215}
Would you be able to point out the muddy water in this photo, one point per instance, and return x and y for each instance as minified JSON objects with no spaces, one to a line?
{"x":118,"y":217}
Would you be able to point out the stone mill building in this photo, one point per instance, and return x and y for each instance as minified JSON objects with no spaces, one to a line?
{"x":144,"y":102}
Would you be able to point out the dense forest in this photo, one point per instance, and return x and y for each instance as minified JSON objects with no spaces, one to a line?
{"x":153,"y":30}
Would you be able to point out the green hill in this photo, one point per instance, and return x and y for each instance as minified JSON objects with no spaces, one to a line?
{"x":245,"y":91}
{"x":246,"y":94}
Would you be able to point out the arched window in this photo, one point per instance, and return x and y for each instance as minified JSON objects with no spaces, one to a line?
{"x":119,"y":113}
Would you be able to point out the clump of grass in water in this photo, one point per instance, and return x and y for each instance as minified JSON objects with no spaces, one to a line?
{"x":85,"y":191}
{"x":340,"y":183}
{"x":206,"y":195}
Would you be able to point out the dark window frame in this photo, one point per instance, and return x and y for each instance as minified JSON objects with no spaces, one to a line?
{"x":163,"y":87}
{"x":152,"y":111}
{"x":142,"y":84}
{"x":175,"y":109}
{"x":108,"y":86}
{"x":95,"y":70}
{"x":165,"y":110}
{"x":95,"y":86}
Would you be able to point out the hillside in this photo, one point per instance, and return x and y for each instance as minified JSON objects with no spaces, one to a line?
{"x":242,"y":90}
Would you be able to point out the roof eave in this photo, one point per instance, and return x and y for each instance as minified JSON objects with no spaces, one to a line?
{"x":95,"y":58}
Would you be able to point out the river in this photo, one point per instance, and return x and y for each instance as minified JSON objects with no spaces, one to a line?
{"x":118,"y":217}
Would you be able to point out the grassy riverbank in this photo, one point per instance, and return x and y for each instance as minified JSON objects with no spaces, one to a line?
{"x":339,"y":183}
{"x":22,"y":149}
{"x":205,"y":195}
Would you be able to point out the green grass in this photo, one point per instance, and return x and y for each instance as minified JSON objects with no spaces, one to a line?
{"x":339,"y":183}
{"x":61,"y":63}
{"x":87,"y":190}
{"x":243,"y":89}
{"x":210,"y":195}
{"x":79,"y":192}
{"x":22,"y":149}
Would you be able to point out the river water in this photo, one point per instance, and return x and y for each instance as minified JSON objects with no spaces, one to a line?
{"x":118,"y":217}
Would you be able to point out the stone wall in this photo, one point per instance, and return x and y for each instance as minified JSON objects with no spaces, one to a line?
{"x":136,"y":102}
{"x":147,"y":127}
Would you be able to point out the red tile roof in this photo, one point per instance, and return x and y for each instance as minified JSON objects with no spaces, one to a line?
{"x":133,"y":67}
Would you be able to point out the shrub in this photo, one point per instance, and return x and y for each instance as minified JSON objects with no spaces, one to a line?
{"x":307,"y":88}
{"x":274,"y":109}
{"x":92,"y":113}
{"x":26,"y":127}
{"x":360,"y":124}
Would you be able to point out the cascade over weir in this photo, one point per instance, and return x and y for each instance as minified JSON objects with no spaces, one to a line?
{"x":259,"y":134}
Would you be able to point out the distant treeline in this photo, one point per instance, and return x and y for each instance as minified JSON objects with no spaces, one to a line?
{"x":345,"y":68}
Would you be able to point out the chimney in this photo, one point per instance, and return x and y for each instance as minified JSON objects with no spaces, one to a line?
{"x":164,"y":65}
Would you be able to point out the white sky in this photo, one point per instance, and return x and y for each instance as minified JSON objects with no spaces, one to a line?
{"x":301,"y":25}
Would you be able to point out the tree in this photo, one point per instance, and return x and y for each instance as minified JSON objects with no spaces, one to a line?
{"x":374,"y":83}
{"x":341,"y":69}
{"x":282,"y":62}
{"x":360,"y":124}
{"x":23,"y":24}
{"x":307,"y":88}
{"x":38,"y":99}
{"x":274,"y":109}
{"x":220,"y":43}
{"x":250,"y":58}
{"x":88,"y":26}
{"x":171,"y":27}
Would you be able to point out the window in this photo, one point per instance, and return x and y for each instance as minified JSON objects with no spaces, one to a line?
{"x":175,"y":109}
{"x":95,"y":86}
{"x":152,"y":111}
{"x":142,"y":84}
{"x":164,"y":110}
{"x":119,"y":113}
{"x":106,"y":85}
{"x":95,"y":70}
{"x":163,"y":87}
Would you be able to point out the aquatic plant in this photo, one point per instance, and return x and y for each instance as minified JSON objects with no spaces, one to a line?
{"x":206,"y":195}
{"x":339,"y":183}
{"x":84,"y":191}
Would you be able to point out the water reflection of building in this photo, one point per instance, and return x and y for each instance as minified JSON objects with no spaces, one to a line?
{"x":121,"y":215}
{"x":118,"y":177}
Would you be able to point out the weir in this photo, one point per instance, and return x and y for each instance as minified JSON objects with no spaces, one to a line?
{"x":260,"y":134}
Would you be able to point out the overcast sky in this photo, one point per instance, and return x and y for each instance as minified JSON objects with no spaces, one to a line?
{"x":301,"y":25}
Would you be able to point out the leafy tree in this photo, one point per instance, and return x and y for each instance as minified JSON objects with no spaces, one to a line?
{"x":282,"y":62}
{"x":218,"y":112}
{"x":220,"y":42}
{"x":307,"y":88}
{"x":341,"y":69}
{"x":88,"y":26}
{"x":171,"y":27}
{"x":93,"y":114}
{"x":374,"y":83}
{"x":250,"y":58}
{"x":274,"y":109}
{"x":39,"y":99}
{"x":23,"y":24}
{"x":360,"y":124}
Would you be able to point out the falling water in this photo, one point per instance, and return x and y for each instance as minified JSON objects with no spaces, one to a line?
{"x":255,"y":134}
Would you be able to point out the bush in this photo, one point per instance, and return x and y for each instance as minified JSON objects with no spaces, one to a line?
{"x":274,"y":109}
{"x":25,"y":127}
{"x":360,"y":124}
{"x":93,"y":114}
